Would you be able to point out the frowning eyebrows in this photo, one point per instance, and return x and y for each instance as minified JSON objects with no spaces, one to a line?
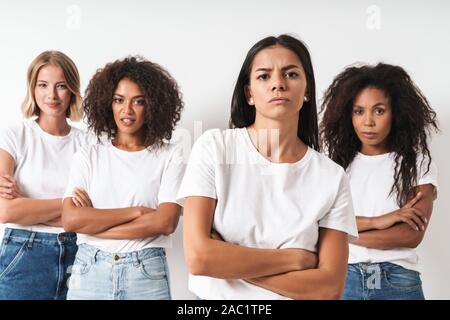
{"x":291,"y":66}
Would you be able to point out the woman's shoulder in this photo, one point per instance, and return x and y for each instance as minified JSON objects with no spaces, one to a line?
{"x":218,"y":136}
{"x":92,"y":149}
{"x":326,"y":164}
{"x":16,"y":128}
{"x":21,"y":133}
{"x":427,"y":170}
{"x":209,"y":138}
{"x":87,"y":137}
{"x":213,"y":133}
{"x":168,"y":150}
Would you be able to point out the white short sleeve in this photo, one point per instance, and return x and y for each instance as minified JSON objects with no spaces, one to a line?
{"x":171,"y":177}
{"x":8,"y":142}
{"x":341,"y":215}
{"x":426,"y":176}
{"x":79,"y":173}
{"x":199,"y":178}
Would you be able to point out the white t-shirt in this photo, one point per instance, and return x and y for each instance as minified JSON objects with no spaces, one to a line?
{"x":116,"y":178}
{"x":371,"y":180}
{"x":263,"y":204}
{"x":42,"y":162}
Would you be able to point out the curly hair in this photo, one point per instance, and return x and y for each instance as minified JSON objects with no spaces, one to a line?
{"x":163,"y":100}
{"x":412,"y":121}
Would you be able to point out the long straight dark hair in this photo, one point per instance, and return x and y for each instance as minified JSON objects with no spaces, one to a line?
{"x":243,"y":114}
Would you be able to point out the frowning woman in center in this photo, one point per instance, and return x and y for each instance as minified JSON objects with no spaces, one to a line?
{"x":266,"y":215}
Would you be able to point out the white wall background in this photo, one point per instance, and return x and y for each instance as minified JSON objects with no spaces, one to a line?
{"x":203,"y":44}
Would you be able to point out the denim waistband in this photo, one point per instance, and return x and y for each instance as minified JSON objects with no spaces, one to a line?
{"x":42,"y":237}
{"x":94,"y":253}
{"x":365,"y":266}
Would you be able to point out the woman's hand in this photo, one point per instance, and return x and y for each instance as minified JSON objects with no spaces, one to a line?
{"x":80,"y":198}
{"x":407,"y":214}
{"x":9,"y":188}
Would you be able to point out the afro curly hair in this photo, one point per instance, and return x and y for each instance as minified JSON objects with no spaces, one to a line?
{"x":413,"y":120}
{"x":163,"y":100}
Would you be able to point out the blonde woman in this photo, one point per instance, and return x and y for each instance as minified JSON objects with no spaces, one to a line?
{"x":35,"y":157}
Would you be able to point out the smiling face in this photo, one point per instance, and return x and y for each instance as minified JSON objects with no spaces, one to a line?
{"x":277,"y":83}
{"x":372,"y":119}
{"x":128,"y":107}
{"x":51,"y":92}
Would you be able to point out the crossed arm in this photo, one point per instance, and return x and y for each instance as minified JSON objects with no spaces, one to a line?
{"x":294,"y":273}
{"x":76,"y":214}
{"x":402,"y":228}
{"x":15,"y":207}
{"x":121,"y":223}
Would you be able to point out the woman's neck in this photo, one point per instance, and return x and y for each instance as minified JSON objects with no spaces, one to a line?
{"x":277,"y":141}
{"x":374,"y":150}
{"x":129,"y":142}
{"x":56,"y":126}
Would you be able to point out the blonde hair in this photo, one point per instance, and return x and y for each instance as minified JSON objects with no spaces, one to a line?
{"x":29,"y":106}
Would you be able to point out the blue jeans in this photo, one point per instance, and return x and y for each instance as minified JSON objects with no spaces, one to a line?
{"x":33,"y":265}
{"x":382,"y":281}
{"x":137,"y":275}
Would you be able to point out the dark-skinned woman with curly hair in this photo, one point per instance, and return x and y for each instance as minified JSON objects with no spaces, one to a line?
{"x":376,"y":124}
{"x":120,"y":198}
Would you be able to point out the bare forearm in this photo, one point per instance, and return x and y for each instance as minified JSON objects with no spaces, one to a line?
{"x":224,"y":260}
{"x":91,"y":221}
{"x":149,"y":225}
{"x":306,"y":284}
{"x":27,"y":211}
{"x":54,"y":223}
{"x":219,"y":259}
{"x":327,"y":281}
{"x":365,"y":223}
{"x":398,"y":236}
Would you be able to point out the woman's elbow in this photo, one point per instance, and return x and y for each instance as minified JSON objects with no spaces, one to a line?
{"x":5,"y":211}
{"x":415,"y":239}
{"x":336,"y":286}
{"x":196,"y":260}
{"x":68,"y":221}
{"x":68,"y":225}
{"x":333,"y":292}
{"x":325,"y":292}
{"x":333,"y":287}
{"x":329,"y":292}
{"x":4,"y":218}
{"x":170,"y":225}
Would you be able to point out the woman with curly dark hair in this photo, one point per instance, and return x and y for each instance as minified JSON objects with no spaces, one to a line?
{"x":121,"y":193}
{"x":281,"y":211}
{"x":376,"y":123}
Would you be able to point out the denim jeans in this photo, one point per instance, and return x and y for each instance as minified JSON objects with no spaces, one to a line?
{"x":33,"y":265}
{"x":382,"y":281}
{"x":137,"y":275}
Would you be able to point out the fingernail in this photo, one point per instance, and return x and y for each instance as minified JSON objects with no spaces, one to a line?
{"x":426,"y":220}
